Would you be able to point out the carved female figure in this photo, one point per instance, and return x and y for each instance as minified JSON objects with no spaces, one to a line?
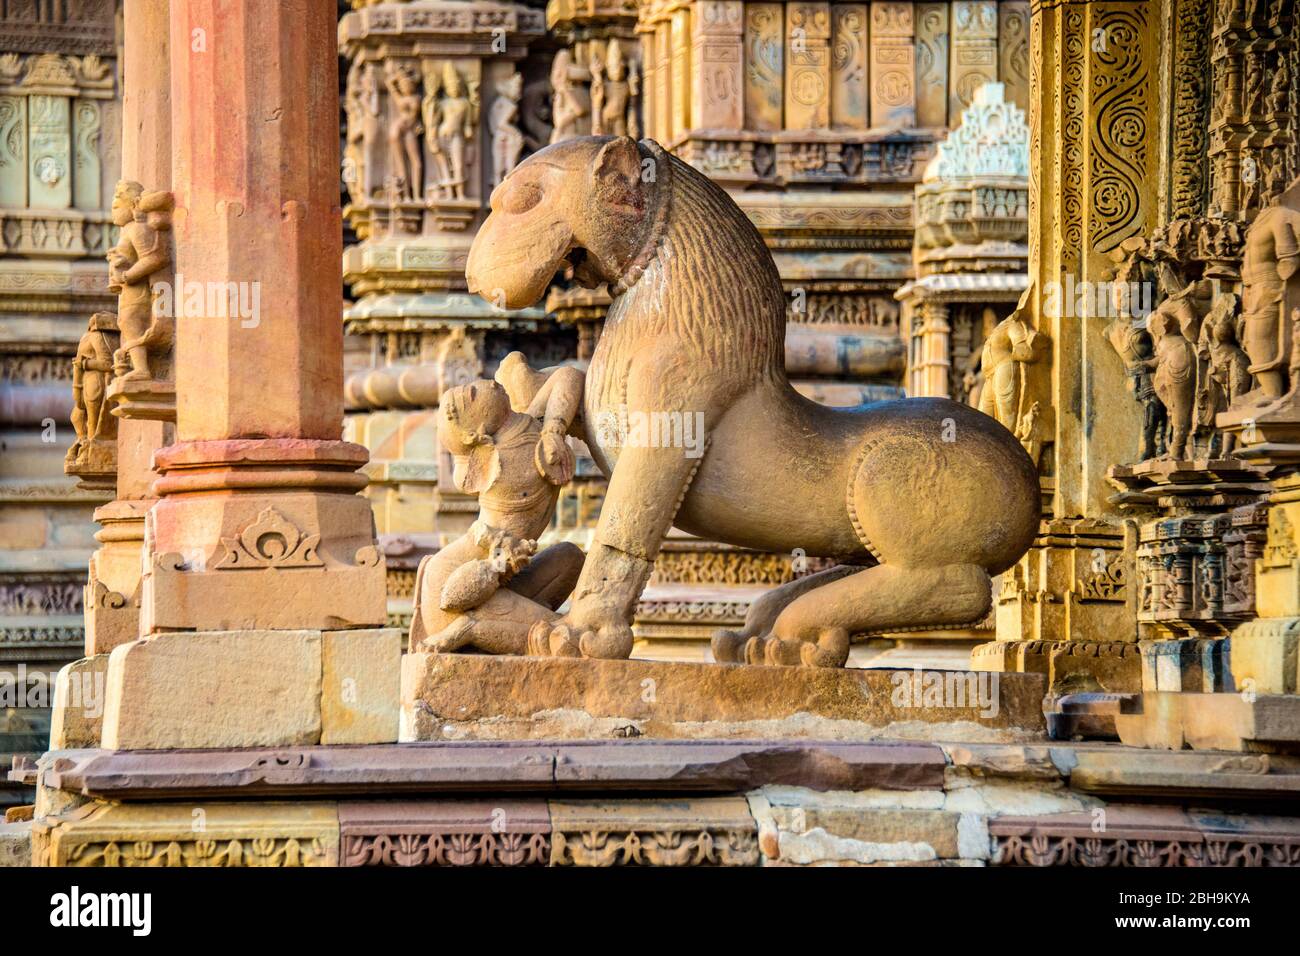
{"x":571,"y":104}
{"x":507,"y":138}
{"x":1229,"y":365}
{"x":457,"y":115}
{"x":406,"y":165}
{"x":1175,"y":380}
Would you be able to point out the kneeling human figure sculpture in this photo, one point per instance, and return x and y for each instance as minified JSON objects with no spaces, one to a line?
{"x":484,"y":590}
{"x":923,"y":499}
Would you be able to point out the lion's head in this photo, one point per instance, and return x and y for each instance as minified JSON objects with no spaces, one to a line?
{"x":583,"y":204}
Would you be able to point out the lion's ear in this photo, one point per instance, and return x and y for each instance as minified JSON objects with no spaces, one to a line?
{"x":617,"y":171}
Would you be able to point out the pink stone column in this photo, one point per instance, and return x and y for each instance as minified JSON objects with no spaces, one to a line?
{"x":258,"y":523}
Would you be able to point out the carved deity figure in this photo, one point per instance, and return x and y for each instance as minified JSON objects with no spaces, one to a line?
{"x":142,"y":251}
{"x":570,"y":100}
{"x":368,"y":102}
{"x":487,"y":588}
{"x":1011,"y":390}
{"x":354,"y":149}
{"x":1229,"y":374}
{"x":450,"y":116}
{"x":92,"y":370}
{"x":617,"y":83}
{"x":1279,"y":91}
{"x":1133,"y":344}
{"x":507,"y":138}
{"x":1174,"y":363}
{"x":405,"y":161}
{"x":1271,"y":258}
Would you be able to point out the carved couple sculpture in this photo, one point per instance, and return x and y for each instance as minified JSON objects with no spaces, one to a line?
{"x":921,"y":499}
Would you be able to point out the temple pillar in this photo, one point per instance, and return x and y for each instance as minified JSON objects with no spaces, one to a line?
{"x":145,"y":415}
{"x":264,"y":586}
{"x":1067,"y":607}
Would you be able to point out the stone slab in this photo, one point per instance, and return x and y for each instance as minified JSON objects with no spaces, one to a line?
{"x":463,"y":696}
{"x":216,"y":834}
{"x":214,"y":689}
{"x":16,"y":844}
{"x":469,"y":832}
{"x":80,"y":689}
{"x":681,"y":765}
{"x":1234,"y":722}
{"x":1131,"y":772}
{"x":360,"y":683}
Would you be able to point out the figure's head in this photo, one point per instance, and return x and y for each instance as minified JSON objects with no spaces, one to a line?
{"x":614,"y":61}
{"x":468,"y":418}
{"x":451,"y":79}
{"x":581,"y":204}
{"x":126,"y":197}
{"x":103,"y":322}
{"x":1163,"y":323}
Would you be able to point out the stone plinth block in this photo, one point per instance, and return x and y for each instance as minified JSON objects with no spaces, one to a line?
{"x":454,"y":696}
{"x":711,"y":831}
{"x":214,"y":689}
{"x":360,"y":684}
{"x":1264,"y":656}
{"x":162,"y":834}
{"x":493,"y":832}
{"x":1240,"y":722}
{"x":79,"y":698}
{"x":16,"y":844}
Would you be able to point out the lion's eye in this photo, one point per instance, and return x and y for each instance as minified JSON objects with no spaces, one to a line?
{"x":521,"y":197}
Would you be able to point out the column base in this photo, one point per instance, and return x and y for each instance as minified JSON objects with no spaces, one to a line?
{"x":1264,"y":655}
{"x":1113,"y":667}
{"x":267,"y":688}
{"x":79,"y":697}
{"x":1236,"y":722}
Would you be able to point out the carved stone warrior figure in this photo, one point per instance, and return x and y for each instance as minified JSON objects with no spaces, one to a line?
{"x":1272,"y":257}
{"x":486,"y":588}
{"x":695,"y":336}
{"x":405,"y":162}
{"x":570,"y":100}
{"x":449,"y":120}
{"x":92,"y":370}
{"x":143,"y":250}
{"x":507,"y":139}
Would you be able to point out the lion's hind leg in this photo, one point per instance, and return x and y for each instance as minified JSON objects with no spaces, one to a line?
{"x":814,"y":628}
{"x":729,"y":646}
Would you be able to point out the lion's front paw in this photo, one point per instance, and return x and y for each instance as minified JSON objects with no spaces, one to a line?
{"x":553,"y":639}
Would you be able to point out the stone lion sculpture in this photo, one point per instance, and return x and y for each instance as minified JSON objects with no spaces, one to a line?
{"x":923,"y":499}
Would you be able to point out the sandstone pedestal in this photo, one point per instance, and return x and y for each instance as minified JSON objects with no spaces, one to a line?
{"x":451,"y":696}
{"x":1267,"y":723}
{"x":253,"y":689}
